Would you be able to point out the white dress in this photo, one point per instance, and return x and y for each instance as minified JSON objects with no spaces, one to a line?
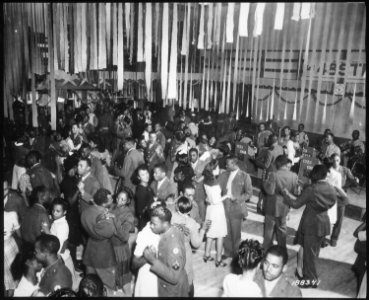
{"x":236,"y":286}
{"x":334,"y":178}
{"x":147,"y":282}
{"x":215,"y":212}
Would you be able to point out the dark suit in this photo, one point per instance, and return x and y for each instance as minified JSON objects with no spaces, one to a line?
{"x":283,"y":288}
{"x":90,"y":188}
{"x":39,"y":176}
{"x":170,"y":265}
{"x":276,"y":209}
{"x":99,"y":253}
{"x":165,"y":189}
{"x":314,"y":224}
{"x":267,"y":162}
{"x":241,"y":191}
{"x":199,"y":188}
{"x":133,"y":159}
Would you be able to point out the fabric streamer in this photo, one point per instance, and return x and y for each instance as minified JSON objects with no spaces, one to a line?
{"x":140,"y":56}
{"x":230,"y":24}
{"x":164,"y":51}
{"x":108,"y":31}
{"x":351,"y":114}
{"x":93,"y":45}
{"x":184,"y":34}
{"x":243,"y":20}
{"x":148,"y":48}
{"x":235,"y":74}
{"x":127,"y":15}
{"x":114,"y":33}
{"x":55,"y":34}
{"x":207,"y":90}
{"x":203,"y":82}
{"x":83,"y":35}
{"x":102,"y":38}
{"x":200,"y":43}
{"x":296,"y":11}
{"x":132,"y":18}
{"x":61,"y":33}
{"x":305,"y":10}
{"x":294,"y":116}
{"x":187,"y":54}
{"x":229,"y":83}
{"x":120,"y":45}
{"x":259,"y":15}
{"x":157,"y":18}
{"x":210,"y":25}
{"x":325,"y":107}
{"x":52,"y":71}
{"x":279,"y":16}
{"x":217,"y":25}
{"x":66,"y":41}
{"x":172,"y":91}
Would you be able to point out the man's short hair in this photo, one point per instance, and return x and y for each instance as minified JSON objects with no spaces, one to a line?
{"x":273,"y":138}
{"x":281,"y":161}
{"x":49,"y":243}
{"x":129,"y":140}
{"x":330,"y":134}
{"x":301,"y":125}
{"x":319,"y":172}
{"x":101,"y":196}
{"x":279,"y":251}
{"x":232,"y":157}
{"x":85,"y":146}
{"x":87,"y":160}
{"x":188,"y":186}
{"x":38,"y":195}
{"x":184,"y":205}
{"x":194,"y":150}
{"x":161,"y":166}
{"x":162,"y":213}
{"x":32,"y":158}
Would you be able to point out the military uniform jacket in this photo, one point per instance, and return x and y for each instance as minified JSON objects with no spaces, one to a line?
{"x":170,"y":265}
{"x":168,"y":187}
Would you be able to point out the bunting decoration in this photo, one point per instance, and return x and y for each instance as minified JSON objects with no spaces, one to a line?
{"x":172,"y":81}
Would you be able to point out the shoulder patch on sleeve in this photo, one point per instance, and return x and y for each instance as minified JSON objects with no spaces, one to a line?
{"x":175,"y":250}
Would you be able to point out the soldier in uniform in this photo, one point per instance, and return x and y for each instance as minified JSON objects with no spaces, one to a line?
{"x":155,"y":152}
{"x":169,"y":263}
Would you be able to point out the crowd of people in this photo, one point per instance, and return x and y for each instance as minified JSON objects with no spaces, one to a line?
{"x":116,"y":199}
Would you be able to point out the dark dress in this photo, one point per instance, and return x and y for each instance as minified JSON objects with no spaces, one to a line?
{"x":183,"y":175}
{"x":144,"y":196}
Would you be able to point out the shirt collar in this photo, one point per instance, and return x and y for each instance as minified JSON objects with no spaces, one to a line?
{"x":62,"y":219}
{"x":83,"y":178}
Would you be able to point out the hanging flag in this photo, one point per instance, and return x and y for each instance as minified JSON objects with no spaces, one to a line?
{"x":353,"y":104}
{"x":120,"y":45}
{"x":210,"y":25}
{"x":230,"y":25}
{"x":127,"y":19}
{"x":200,"y":43}
{"x":140,"y":56}
{"x":296,"y":11}
{"x":172,"y":91}
{"x":148,"y":48}
{"x":305,"y":10}
{"x":164,"y":51}
{"x":243,"y":20}
{"x":259,"y":15}
{"x":279,"y":16}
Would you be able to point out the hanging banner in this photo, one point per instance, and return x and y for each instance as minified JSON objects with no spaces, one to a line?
{"x":230,"y":25}
{"x":200,"y":44}
{"x":120,"y":54}
{"x":296,"y":11}
{"x":259,"y":16}
{"x":107,"y":33}
{"x":210,"y":26}
{"x":187,"y":55}
{"x":172,"y":81}
{"x":140,"y":56}
{"x":164,"y":51}
{"x":114,"y":34}
{"x":127,"y":19}
{"x":279,"y":16}
{"x":148,"y":48}
{"x":243,"y":20}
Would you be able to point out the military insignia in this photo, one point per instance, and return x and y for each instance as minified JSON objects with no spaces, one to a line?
{"x":175,"y":265}
{"x":175,"y":250}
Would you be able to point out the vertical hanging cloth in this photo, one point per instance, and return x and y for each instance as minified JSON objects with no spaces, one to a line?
{"x":296,"y":11}
{"x":83,"y":37}
{"x":271,"y":113}
{"x":140,"y":56}
{"x":61,"y":33}
{"x":207,"y":89}
{"x":77,"y":40}
{"x":93,"y":31}
{"x":351,"y":114}
{"x":210,"y":25}
{"x":294,"y":116}
{"x":235,"y":74}
{"x":127,"y":15}
{"x":229,"y":83}
{"x":164,"y":51}
{"x":230,"y":24}
{"x":148,"y":48}
{"x":243,"y":21}
{"x":66,"y":40}
{"x":51,"y":45}
{"x":200,"y":43}
{"x":217,"y":25}
{"x":102,"y":38}
{"x":259,"y":16}
{"x":305,"y":10}
{"x":187,"y":54}
{"x":279,"y":16}
{"x":114,"y":33}
{"x":56,"y":38}
{"x":108,"y":32}
{"x":202,"y":98}
{"x":172,"y":91}
{"x":157,"y":18}
{"x":120,"y":46}
{"x":132,"y":18}
{"x":184,"y":34}
{"x":325,"y":107}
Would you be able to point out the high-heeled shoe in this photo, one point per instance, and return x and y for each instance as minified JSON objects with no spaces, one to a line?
{"x":220,"y":264}
{"x":208,"y":258}
{"x":298,"y":275}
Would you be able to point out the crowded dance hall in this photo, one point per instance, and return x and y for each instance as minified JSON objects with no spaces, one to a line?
{"x":193,"y":149}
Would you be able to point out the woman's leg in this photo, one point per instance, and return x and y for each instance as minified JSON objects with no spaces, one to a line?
{"x":219,"y":248}
{"x":208,"y":244}
{"x":300,"y":260}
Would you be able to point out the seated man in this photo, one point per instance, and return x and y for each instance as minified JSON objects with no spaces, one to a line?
{"x":272,"y":279}
{"x":352,"y":150}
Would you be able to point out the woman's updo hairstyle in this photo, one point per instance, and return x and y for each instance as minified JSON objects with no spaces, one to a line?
{"x":250,"y":254}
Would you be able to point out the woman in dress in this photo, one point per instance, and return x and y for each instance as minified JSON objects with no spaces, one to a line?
{"x":250,"y":254}
{"x":215,"y":213}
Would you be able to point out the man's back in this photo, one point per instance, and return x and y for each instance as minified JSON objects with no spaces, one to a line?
{"x":56,"y":275}
{"x":31,"y":225}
